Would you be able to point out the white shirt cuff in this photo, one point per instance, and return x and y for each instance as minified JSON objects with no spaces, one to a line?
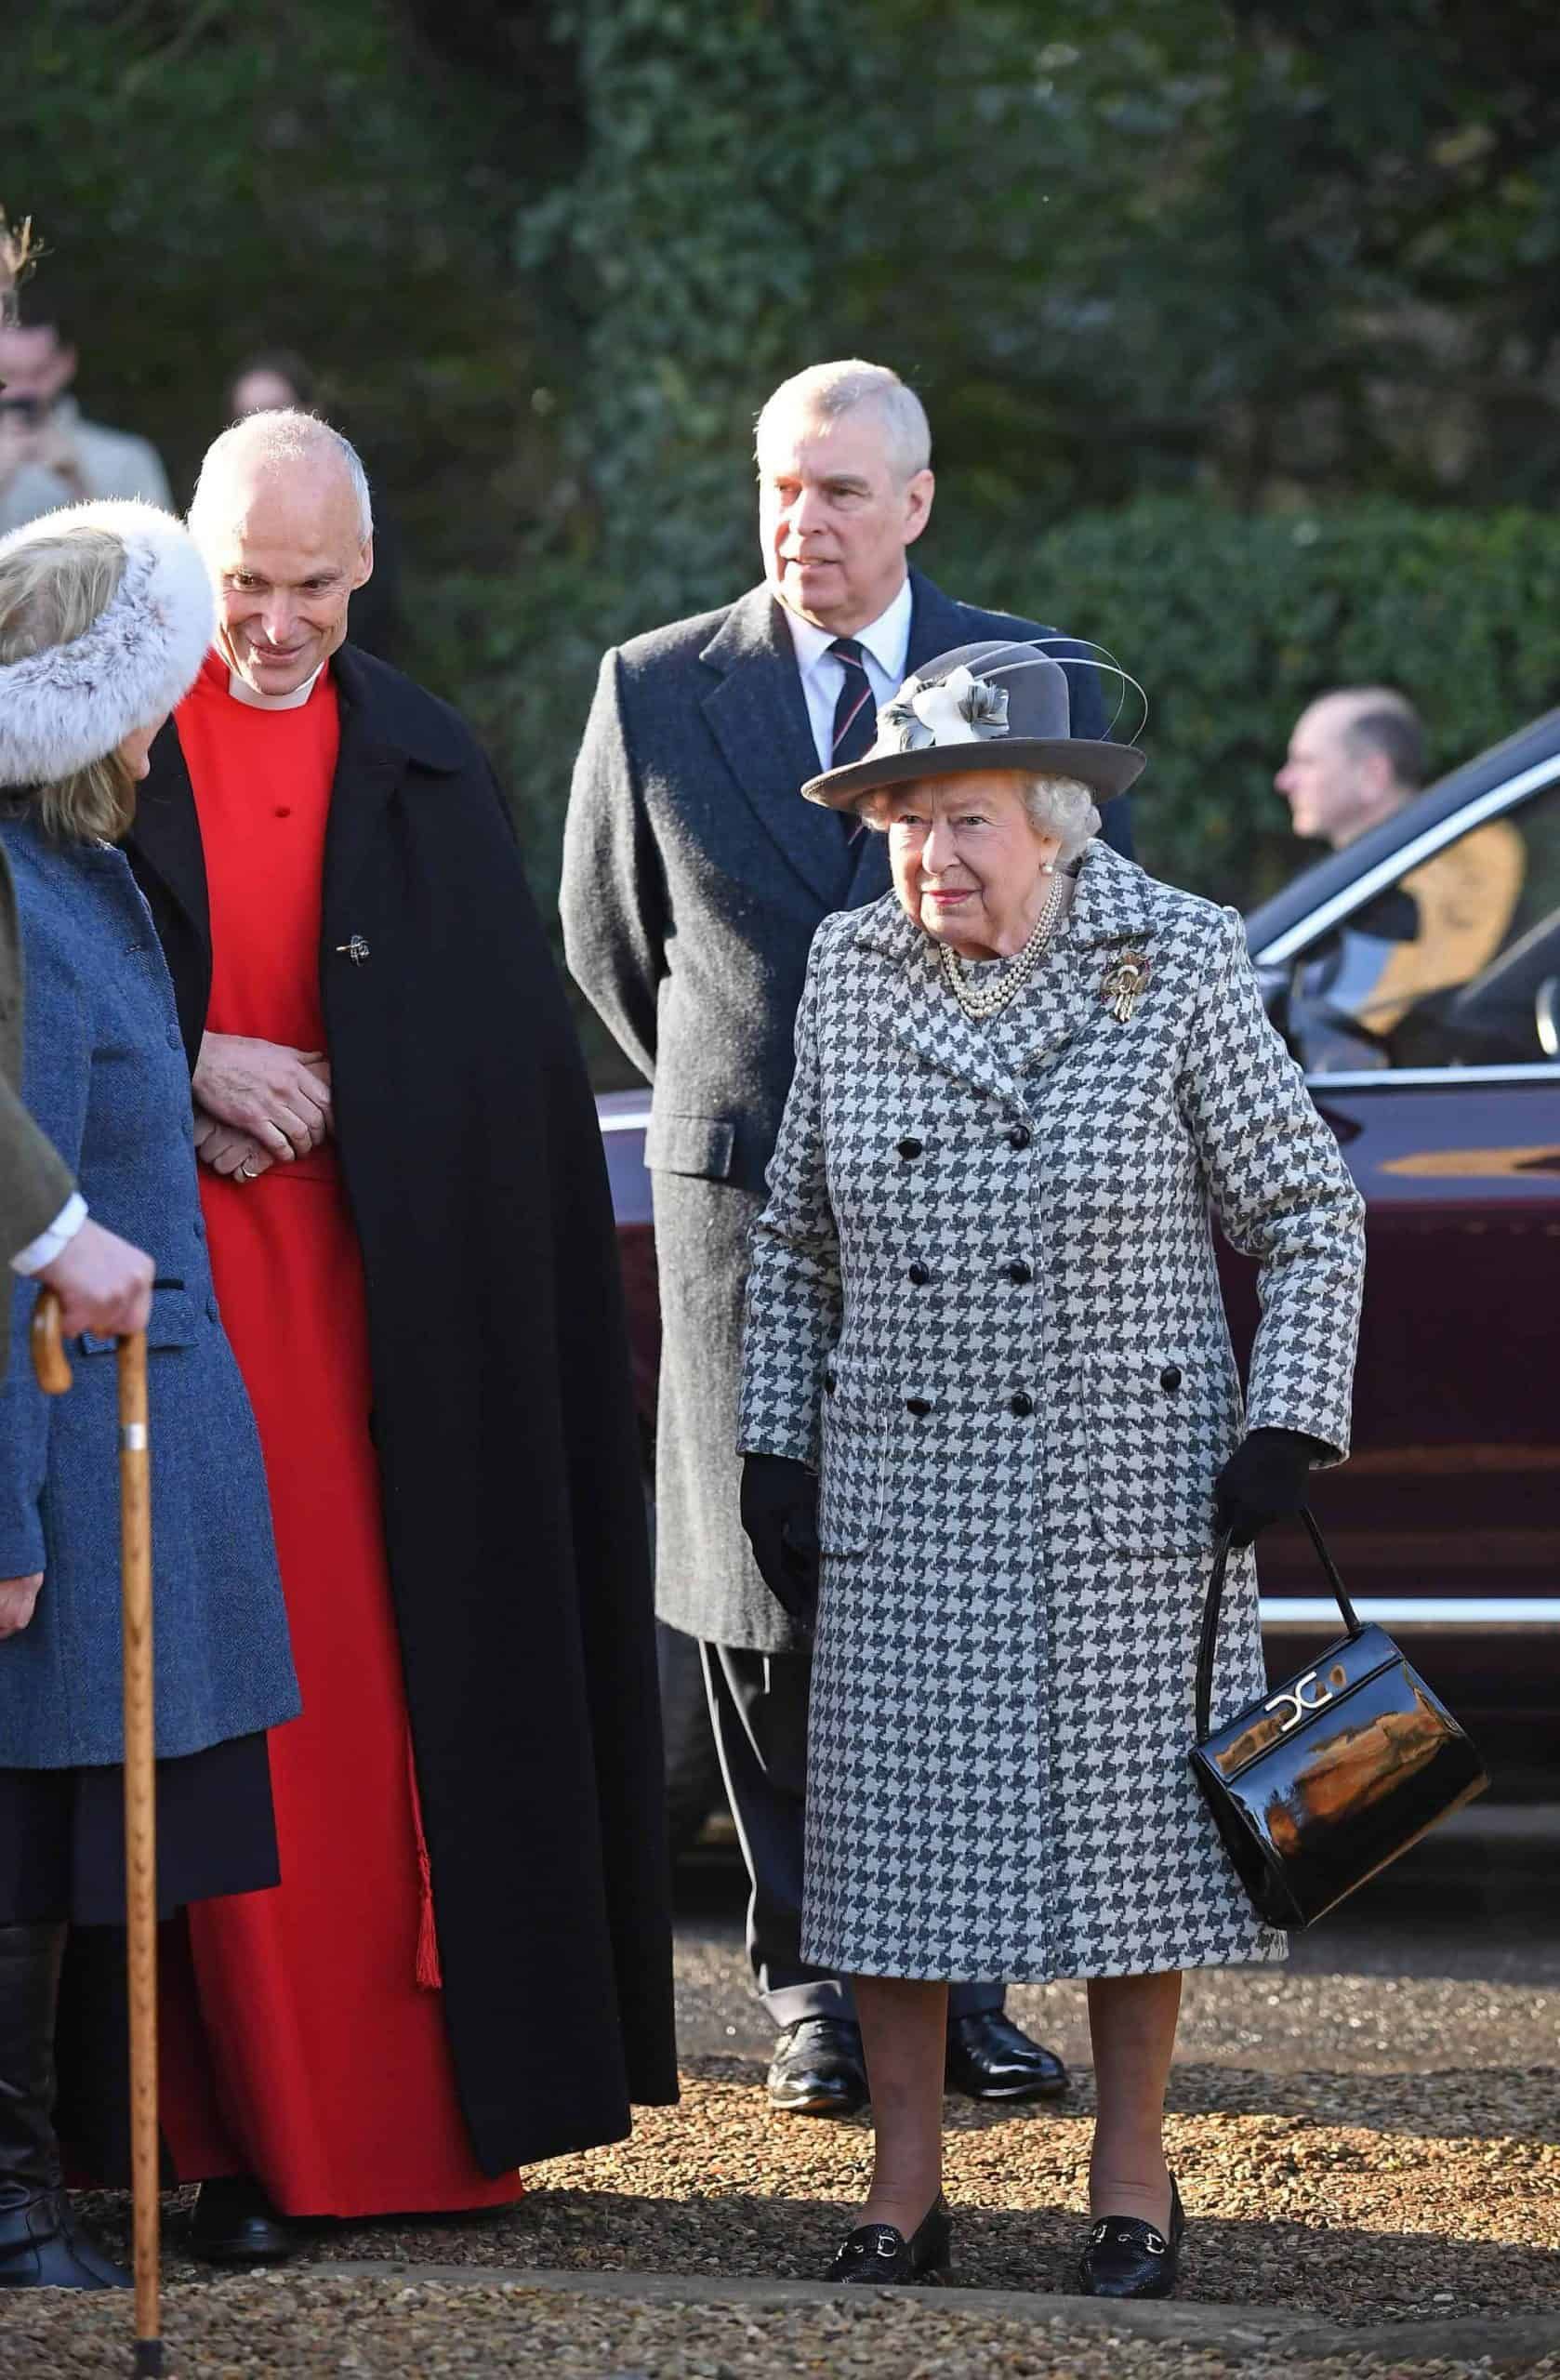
{"x":49,"y":1244}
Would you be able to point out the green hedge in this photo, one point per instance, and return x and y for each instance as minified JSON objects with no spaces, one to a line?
{"x":1230,"y":622}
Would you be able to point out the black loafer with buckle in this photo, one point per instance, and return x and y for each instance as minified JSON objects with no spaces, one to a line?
{"x":1129,"y":2259}
{"x":880,"y":2255}
{"x":989,"y":2058}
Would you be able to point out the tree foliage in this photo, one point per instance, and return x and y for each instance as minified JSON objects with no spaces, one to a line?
{"x":1238,"y":324}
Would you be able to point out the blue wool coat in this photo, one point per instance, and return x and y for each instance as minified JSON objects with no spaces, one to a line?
{"x":105,"y":1076}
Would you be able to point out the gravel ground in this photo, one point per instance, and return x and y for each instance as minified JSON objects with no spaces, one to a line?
{"x":397,"y":2330}
{"x":1359,"y":2200}
{"x":1375,"y":2146}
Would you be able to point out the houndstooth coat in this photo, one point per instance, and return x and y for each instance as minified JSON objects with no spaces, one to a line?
{"x":984,"y":1297}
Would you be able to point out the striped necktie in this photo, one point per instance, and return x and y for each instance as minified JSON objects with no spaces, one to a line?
{"x":856,"y":717}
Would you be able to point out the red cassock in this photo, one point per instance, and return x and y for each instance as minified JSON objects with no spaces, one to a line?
{"x":330,"y":2077}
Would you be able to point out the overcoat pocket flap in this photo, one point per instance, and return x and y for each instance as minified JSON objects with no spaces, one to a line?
{"x":1162,"y":1423}
{"x":698,"y":1145}
{"x":174,"y":1322}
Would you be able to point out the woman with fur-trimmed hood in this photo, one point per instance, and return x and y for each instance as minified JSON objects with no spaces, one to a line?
{"x":105,"y":611}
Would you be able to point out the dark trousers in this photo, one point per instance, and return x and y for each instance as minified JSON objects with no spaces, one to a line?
{"x":758,"y":1707}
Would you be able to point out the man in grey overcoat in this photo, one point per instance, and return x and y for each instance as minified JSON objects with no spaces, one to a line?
{"x":694,"y":882}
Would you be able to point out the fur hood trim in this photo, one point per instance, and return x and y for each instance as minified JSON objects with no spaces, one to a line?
{"x":68,"y":706}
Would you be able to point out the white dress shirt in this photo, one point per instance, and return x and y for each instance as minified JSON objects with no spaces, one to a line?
{"x":53,"y":1242}
{"x":885,"y":642}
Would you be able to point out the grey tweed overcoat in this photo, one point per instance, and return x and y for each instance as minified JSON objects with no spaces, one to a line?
{"x":984,"y":1297}
{"x":694,"y":882}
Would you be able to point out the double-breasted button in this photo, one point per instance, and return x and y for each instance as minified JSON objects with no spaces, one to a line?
{"x":919,"y":1276}
{"x":1022,"y":1404}
{"x":910,"y":1146}
{"x":1019,"y":1272}
{"x":917,"y":1405}
{"x":1020,"y":1137}
{"x":830,"y":1383}
{"x":1171,"y":1375}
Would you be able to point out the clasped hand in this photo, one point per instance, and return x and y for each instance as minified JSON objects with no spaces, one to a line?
{"x":258,"y":1104}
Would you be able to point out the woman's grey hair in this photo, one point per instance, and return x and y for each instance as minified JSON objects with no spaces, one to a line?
{"x":1059,"y":806}
{"x":281,"y":437}
{"x":825,"y":391}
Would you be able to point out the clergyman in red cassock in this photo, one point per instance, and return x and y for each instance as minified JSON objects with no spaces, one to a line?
{"x":467,"y":1963}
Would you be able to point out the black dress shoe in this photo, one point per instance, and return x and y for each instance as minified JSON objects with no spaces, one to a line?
{"x":236,"y":2224}
{"x":1128,"y":2258}
{"x":40,"y":2249}
{"x":989,"y":2058}
{"x":880,"y":2255}
{"x":817,"y":2068}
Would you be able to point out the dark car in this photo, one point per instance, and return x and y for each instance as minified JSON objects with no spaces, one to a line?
{"x":1416,"y":976}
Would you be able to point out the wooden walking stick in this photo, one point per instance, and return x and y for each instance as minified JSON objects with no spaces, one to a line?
{"x":140,"y":1796}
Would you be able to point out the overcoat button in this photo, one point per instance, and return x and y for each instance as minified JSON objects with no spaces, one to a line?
{"x":1021,"y":1136}
{"x":1022,"y":1405}
{"x":1019,"y":1271}
{"x":908,"y":1148}
{"x":1171,"y":1375}
{"x":920,"y":1274}
{"x":917,"y":1405}
{"x":830,"y":1383}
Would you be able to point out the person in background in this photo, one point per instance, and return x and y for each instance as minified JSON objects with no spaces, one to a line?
{"x":693,"y":881}
{"x":1355,"y":760}
{"x":1356,"y":757}
{"x":50,"y":455}
{"x":274,"y":380}
{"x":103,"y":1283}
{"x":105,"y":613}
{"x":467,"y":1965}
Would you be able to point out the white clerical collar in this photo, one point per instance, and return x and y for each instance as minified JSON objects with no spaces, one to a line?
{"x":887,"y":638}
{"x":242,"y":692}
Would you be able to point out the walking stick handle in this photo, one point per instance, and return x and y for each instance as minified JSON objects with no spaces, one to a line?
{"x":50,"y":1359}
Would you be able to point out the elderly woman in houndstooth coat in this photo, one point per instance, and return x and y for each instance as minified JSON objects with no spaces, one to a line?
{"x":988,"y":1379}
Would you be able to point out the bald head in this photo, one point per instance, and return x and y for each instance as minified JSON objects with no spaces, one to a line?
{"x":281,"y":511}
{"x":1356,"y":756}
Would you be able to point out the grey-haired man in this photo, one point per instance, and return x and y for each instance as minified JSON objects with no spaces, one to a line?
{"x":693,"y":881}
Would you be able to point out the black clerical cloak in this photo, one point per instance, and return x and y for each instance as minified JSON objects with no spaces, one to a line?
{"x":509,"y":1452}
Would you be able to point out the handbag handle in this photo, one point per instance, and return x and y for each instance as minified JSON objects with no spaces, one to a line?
{"x":1215,"y":1596}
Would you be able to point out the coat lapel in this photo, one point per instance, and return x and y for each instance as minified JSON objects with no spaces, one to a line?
{"x":758,"y":715}
{"x":937,"y":624}
{"x":167,"y":836}
{"x":368,"y":766}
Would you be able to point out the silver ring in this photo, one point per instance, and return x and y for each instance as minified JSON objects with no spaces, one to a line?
{"x":246,"y":1172}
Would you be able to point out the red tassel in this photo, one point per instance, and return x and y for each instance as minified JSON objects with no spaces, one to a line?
{"x":429,"y":1974}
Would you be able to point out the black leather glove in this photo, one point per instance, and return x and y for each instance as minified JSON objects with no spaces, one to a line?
{"x":1264,"y":1480}
{"x":780,"y":1515}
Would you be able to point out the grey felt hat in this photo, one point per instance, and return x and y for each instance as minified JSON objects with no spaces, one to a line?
{"x":987,"y":706}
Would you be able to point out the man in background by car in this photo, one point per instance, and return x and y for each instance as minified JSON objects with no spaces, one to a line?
{"x":693,"y":881}
{"x":1355,"y":758}
{"x":50,"y":454}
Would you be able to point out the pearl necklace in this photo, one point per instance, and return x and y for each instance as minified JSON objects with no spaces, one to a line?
{"x":991,"y":997}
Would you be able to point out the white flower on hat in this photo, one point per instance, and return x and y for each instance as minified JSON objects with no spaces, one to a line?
{"x":961,"y":708}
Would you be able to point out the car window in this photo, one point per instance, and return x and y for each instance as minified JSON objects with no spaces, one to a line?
{"x":1457,"y":964}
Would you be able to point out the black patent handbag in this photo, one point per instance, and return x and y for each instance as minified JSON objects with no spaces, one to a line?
{"x":1322,"y":1784}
